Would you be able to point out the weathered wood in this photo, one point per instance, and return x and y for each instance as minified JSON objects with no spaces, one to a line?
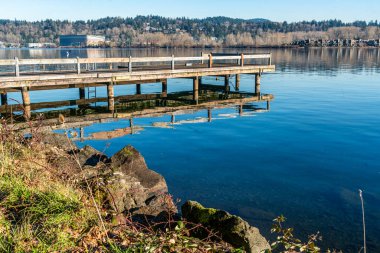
{"x":26,"y":102}
{"x":110,"y":96}
{"x":4,"y":98}
{"x":237,"y":82}
{"x":196,"y":89}
{"x":82,"y":93}
{"x":130,"y":64}
{"x":141,"y":74}
{"x":173,"y":62}
{"x":17,"y":67}
{"x":227,"y":83}
{"x":165,"y":88}
{"x":127,"y":60}
{"x":138,"y":88}
{"x":257,"y":83}
{"x":78,"y":66}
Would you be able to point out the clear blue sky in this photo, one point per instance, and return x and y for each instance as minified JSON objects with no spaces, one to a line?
{"x":276,"y":10}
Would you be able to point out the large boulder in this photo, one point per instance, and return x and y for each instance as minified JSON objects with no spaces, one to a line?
{"x":231,"y":228}
{"x":132,"y":185}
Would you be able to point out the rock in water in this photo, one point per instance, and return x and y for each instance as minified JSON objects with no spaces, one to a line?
{"x":132,"y":183}
{"x":231,"y":228}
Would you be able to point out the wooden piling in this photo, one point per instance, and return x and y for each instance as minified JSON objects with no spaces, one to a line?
{"x":131,"y":125}
{"x":78,"y":66}
{"x":17,"y":67}
{"x":173,"y":119}
{"x":4,"y":98}
{"x":257,"y":84}
{"x":227,"y":82}
{"x":196,"y":89}
{"x":164,"y":88}
{"x":110,"y":96}
{"x":26,"y":102}
{"x":237,"y":84}
{"x":268,"y":105}
{"x":138,"y":88}
{"x":240,"y":110}
{"x":82,"y":93}
{"x":209,"y":114}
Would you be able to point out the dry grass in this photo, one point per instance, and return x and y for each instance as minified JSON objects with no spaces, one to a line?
{"x":41,"y":210}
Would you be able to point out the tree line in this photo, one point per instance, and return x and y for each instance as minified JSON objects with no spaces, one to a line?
{"x":186,"y":32}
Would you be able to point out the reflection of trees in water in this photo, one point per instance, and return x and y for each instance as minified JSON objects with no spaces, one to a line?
{"x":327,"y":58}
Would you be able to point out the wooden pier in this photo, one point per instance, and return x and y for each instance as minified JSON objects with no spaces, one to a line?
{"x":24,"y":75}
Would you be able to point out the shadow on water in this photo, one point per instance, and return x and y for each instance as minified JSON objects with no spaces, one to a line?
{"x":77,"y":114}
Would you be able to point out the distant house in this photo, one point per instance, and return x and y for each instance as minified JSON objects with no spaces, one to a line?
{"x":41,"y":45}
{"x":81,"y":40}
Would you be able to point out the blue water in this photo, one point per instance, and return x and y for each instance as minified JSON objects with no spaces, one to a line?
{"x":306,"y":158}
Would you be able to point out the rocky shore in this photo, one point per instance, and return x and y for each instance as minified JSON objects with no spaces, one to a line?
{"x":128,"y":188}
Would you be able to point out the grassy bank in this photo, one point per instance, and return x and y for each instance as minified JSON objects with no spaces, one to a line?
{"x":43,"y":209}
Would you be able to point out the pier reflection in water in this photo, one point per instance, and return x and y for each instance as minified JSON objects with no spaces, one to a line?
{"x":164,"y":110}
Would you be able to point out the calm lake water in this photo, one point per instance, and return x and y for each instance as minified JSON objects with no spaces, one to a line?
{"x":306,"y":158}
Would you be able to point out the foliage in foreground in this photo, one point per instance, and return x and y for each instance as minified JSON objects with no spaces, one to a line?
{"x":43,"y":210}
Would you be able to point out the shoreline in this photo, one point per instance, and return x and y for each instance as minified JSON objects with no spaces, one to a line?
{"x":196,"y":47}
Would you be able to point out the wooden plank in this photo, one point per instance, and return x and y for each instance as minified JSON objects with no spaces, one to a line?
{"x":56,"y":80}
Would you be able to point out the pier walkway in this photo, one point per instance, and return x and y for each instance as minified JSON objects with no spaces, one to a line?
{"x":24,"y":75}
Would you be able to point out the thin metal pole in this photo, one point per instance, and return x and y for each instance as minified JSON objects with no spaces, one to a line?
{"x":364,"y":236}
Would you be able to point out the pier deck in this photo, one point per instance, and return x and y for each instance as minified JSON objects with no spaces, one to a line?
{"x":47,"y":74}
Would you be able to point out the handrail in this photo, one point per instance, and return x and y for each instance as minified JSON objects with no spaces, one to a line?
{"x":78,"y":61}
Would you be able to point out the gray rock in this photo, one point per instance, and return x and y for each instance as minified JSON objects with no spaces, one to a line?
{"x":57,"y":140}
{"x":132,"y":183}
{"x":231,"y":228}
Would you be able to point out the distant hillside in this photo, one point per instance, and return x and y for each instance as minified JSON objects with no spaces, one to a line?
{"x":161,"y":31}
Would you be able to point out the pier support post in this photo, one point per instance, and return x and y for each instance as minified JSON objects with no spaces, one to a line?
{"x":4,"y":98}
{"x":209,"y":114}
{"x":131,"y":124}
{"x":227,"y":83}
{"x":196,"y":89}
{"x":240,"y":110}
{"x":237,"y":84}
{"x":82,"y":93}
{"x":138,"y":88}
{"x":257,"y":84}
{"x":26,"y":102}
{"x":111,"y":99}
{"x":164,"y":88}
{"x":173,"y":119}
{"x":268,"y":105}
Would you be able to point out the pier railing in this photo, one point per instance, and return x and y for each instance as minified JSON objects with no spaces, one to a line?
{"x":17,"y":67}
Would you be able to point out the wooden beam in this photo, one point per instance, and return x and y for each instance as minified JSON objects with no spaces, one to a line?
{"x":237,"y":82}
{"x":257,"y":84}
{"x":82,"y":93}
{"x":110,"y":96}
{"x":26,"y":102}
{"x":4,"y":98}
{"x":227,"y":83}
{"x":196,"y":90}
{"x":138,"y":88}
{"x":165,"y":88}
